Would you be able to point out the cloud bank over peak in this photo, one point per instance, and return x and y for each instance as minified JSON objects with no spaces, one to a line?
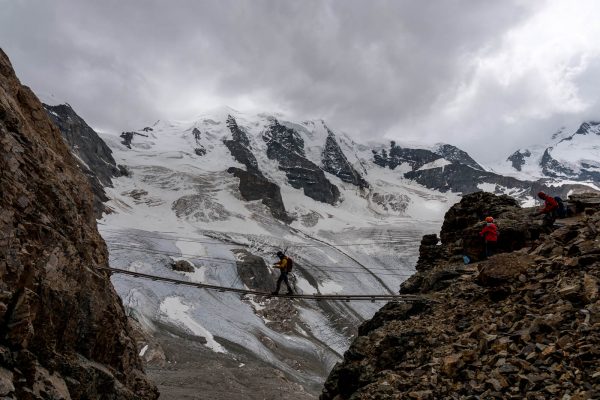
{"x":481,"y":75}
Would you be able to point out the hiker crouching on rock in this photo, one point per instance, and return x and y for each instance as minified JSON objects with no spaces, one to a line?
{"x":285,"y":266}
{"x":549,"y":209}
{"x":490,"y":236}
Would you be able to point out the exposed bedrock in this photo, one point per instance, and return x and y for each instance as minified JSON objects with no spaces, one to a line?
{"x":63,"y":330}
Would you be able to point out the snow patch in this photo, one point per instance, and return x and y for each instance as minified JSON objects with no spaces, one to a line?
{"x":439,"y":163}
{"x":487,"y":187}
{"x":330,"y":287}
{"x":177,"y":311}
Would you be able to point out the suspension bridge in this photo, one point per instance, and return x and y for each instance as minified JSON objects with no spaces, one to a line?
{"x":315,"y":296}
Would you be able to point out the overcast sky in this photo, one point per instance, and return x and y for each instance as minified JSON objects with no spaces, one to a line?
{"x":487,"y":76}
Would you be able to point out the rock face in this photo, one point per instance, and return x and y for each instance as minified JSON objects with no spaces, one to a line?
{"x":522,"y":324}
{"x":517,"y":159}
{"x":93,"y":155}
{"x":128,"y":137}
{"x":335,"y":162}
{"x":569,"y":156}
{"x":63,"y":330}
{"x":287,"y":147}
{"x":448,"y":168}
{"x":182,"y":266}
{"x":200,"y":150}
{"x":465,"y":179}
{"x":456,"y":155}
{"x":415,"y":158}
{"x":583,"y":169}
{"x":253,"y":184}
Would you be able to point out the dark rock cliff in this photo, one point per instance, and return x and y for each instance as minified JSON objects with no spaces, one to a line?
{"x":464,"y":179}
{"x":93,"y":155}
{"x":517,"y":159}
{"x":522,"y":324}
{"x":456,"y":155}
{"x":397,"y":155}
{"x":553,"y":168}
{"x":63,"y":330}
{"x":462,"y":174}
{"x":287,"y":147}
{"x":335,"y":162}
{"x":200,"y":150}
{"x":253,"y":184}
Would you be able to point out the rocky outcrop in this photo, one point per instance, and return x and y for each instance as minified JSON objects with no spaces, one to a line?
{"x":257,"y":187}
{"x":287,"y":147}
{"x":464,"y":179}
{"x":517,"y":159}
{"x":200,"y":150}
{"x":553,"y":168}
{"x":397,"y":155}
{"x":521,"y":324}
{"x":254,"y":271}
{"x":84,"y":142}
{"x":93,"y":155}
{"x":63,"y":330}
{"x":128,"y":137}
{"x":182,"y":266}
{"x":335,"y":162}
{"x":239,"y":147}
{"x":253,"y":184}
{"x":457,"y":156}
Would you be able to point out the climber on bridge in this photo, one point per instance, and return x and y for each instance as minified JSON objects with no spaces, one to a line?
{"x":284,"y":265}
{"x":490,"y":236}
{"x":549,"y":209}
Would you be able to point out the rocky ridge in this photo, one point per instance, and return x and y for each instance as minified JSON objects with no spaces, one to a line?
{"x":93,"y":156}
{"x":335,"y":162}
{"x":63,"y":330}
{"x":517,"y":159}
{"x":568,"y":156}
{"x":522,"y":324}
{"x":253,"y":184}
{"x":287,"y":147}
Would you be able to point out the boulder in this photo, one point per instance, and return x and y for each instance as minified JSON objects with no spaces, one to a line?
{"x":182,"y":266}
{"x":504,"y":268}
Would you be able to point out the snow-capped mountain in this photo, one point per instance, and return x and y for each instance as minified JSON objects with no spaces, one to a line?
{"x":226,"y":190}
{"x":569,"y":156}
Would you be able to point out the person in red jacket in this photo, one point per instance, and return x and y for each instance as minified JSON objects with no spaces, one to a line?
{"x":490,"y":236}
{"x":549,"y":209}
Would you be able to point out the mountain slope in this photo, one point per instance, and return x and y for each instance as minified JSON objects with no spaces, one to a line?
{"x":178,"y":204}
{"x":521,"y":324}
{"x":64,"y":330}
{"x":568,"y":156}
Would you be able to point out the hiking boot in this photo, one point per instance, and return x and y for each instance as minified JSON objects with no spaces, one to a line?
{"x":289,"y":293}
{"x":274,"y":292}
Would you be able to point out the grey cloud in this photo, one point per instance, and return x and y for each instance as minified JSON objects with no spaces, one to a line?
{"x":370,"y":68}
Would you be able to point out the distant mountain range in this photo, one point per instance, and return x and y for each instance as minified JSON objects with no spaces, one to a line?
{"x":568,"y":157}
{"x":309,"y":153}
